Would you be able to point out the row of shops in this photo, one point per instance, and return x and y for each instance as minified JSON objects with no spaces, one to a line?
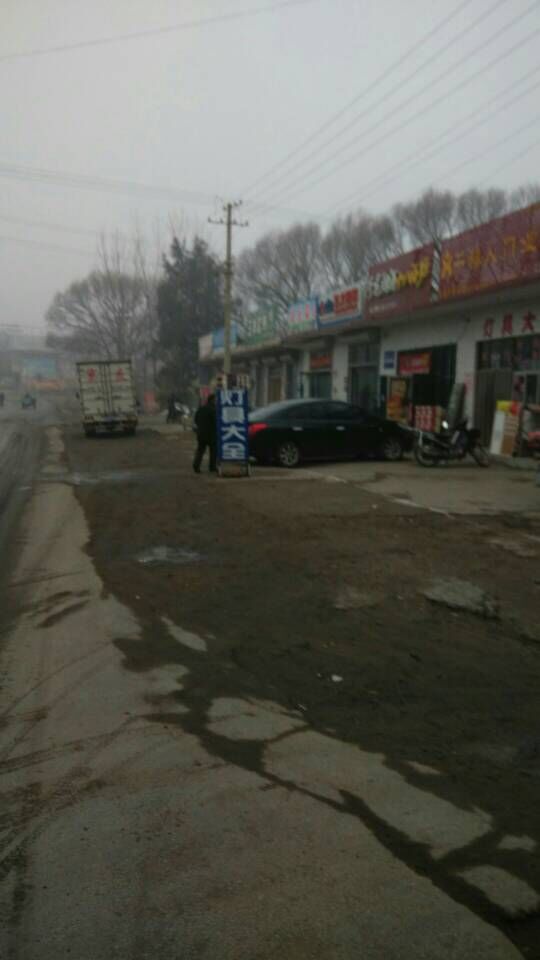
{"x":467,"y":312}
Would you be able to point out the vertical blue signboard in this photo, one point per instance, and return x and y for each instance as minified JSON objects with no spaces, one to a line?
{"x":232,"y":426}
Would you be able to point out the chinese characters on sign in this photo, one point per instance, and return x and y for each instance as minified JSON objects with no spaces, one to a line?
{"x":412,"y":363}
{"x":510,"y":325}
{"x":504,"y":251}
{"x":232,"y":426}
{"x":261,"y":327}
{"x":402,"y":284}
{"x":302,"y":316}
{"x":320,"y":360}
{"x":340,"y":306}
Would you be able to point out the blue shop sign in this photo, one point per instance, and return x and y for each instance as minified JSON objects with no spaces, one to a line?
{"x":218,"y":337}
{"x":389,"y":360}
{"x":232,"y":426}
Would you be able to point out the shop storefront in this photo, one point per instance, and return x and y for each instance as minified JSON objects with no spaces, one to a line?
{"x":319,"y":376}
{"x":363,"y":376}
{"x":417,"y":369}
{"x":507,"y":364}
{"x":430,"y":375}
{"x":495,"y":259}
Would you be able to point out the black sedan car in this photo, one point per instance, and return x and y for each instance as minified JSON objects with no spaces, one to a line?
{"x":297,"y":430}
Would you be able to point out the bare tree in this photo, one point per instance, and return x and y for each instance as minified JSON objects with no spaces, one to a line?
{"x":282,"y":267}
{"x":524,"y":196}
{"x":112,"y":311}
{"x":354,"y":243}
{"x":429,"y":219}
{"x":475,"y":207}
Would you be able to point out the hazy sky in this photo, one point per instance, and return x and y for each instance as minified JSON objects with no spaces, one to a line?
{"x":214,"y":110}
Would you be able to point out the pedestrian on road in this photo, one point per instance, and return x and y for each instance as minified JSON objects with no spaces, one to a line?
{"x":205,"y":425}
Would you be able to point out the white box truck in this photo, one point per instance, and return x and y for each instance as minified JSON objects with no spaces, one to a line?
{"x":107,"y":395}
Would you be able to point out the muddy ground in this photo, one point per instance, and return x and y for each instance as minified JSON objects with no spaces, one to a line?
{"x":450,"y":690}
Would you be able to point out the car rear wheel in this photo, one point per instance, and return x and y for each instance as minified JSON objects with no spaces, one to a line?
{"x":392,"y":449}
{"x":288,"y":454}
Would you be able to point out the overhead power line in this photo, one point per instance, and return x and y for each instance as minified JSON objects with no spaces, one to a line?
{"x":104,"y":184}
{"x":156,"y":31}
{"x":47,"y":246}
{"x":436,"y":101}
{"x":507,"y":163}
{"x":359,"y":96}
{"x":479,"y":21}
{"x":81,"y":181}
{"x":445,"y":139}
{"x":45,"y":225}
{"x":494,"y":146}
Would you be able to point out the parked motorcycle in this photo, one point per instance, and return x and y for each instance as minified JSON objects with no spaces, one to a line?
{"x":433,"y":448}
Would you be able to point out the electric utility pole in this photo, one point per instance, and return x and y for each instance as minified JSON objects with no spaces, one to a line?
{"x":228,"y":222}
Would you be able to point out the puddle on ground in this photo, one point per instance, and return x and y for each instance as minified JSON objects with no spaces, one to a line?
{"x":162,"y":554}
{"x":191,"y":640}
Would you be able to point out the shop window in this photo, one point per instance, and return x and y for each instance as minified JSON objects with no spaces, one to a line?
{"x":535,"y":353}
{"x":364,"y":354}
{"x":512,"y":353}
{"x":524,"y":353}
{"x":508,"y":353}
{"x":484,"y":355}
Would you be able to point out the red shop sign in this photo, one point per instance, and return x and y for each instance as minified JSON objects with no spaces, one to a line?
{"x":320,"y":361}
{"x":403,"y":283}
{"x":502,"y":252}
{"x":410,"y":363}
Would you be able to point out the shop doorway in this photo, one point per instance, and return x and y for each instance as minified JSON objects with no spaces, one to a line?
{"x":491,"y":385}
{"x":425,"y":379}
{"x":274,"y":386}
{"x":320,"y":385}
{"x":364,"y":375}
{"x":363,"y":388}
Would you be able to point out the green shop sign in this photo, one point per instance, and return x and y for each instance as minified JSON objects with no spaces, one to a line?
{"x":261,"y":327}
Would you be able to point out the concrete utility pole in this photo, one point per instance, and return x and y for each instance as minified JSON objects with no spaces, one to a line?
{"x":229,"y":223}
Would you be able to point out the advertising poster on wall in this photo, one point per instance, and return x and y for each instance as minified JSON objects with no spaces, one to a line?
{"x":397,"y":403}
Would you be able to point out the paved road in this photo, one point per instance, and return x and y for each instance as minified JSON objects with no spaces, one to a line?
{"x":128,"y":838}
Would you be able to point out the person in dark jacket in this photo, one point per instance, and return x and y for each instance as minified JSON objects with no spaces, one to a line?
{"x":205,"y":424}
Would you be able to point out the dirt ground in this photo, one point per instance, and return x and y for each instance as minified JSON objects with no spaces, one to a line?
{"x":301,"y":580}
